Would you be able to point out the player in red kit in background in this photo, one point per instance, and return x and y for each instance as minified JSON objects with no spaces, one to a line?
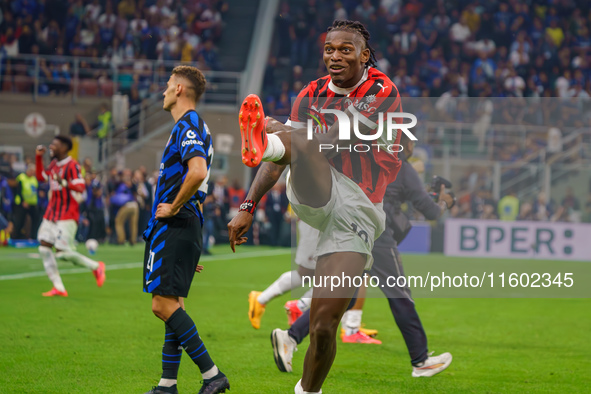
{"x":60,"y":221}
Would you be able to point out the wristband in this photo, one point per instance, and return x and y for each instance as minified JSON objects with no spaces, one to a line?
{"x":248,"y":206}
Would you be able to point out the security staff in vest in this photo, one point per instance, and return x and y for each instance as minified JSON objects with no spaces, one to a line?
{"x":103,"y":129}
{"x":508,"y":207}
{"x":26,"y":204}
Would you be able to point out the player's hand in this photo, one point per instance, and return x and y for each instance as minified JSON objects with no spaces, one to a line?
{"x":238,"y":227}
{"x":40,"y":150}
{"x":443,"y":196}
{"x":273,"y":126}
{"x":164,"y":211}
{"x":199,"y":268}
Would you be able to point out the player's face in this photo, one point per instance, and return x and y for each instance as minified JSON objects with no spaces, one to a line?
{"x":170,"y":94}
{"x":345,"y":56}
{"x":57,"y":149}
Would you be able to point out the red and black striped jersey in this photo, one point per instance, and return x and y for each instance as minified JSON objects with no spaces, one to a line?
{"x":372,"y":98}
{"x":63,"y":201}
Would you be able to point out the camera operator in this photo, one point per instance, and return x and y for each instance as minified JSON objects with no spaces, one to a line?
{"x":407,"y":187}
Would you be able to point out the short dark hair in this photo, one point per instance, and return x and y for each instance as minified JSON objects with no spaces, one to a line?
{"x":194,"y":76}
{"x":65,"y":140}
{"x":358,"y":28}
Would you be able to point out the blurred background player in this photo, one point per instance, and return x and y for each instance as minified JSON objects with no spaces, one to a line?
{"x":324,"y":193}
{"x":60,"y":221}
{"x":387,"y":263}
{"x":173,"y":237}
{"x":304,"y":258}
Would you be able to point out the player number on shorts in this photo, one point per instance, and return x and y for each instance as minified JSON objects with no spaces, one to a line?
{"x":150,"y":264}
{"x":362,"y":233}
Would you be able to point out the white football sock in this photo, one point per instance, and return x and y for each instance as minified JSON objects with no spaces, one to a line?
{"x":275,"y":148}
{"x":167,"y":382}
{"x":210,"y":373}
{"x":286,"y":282}
{"x":305,"y":301}
{"x":77,"y":258}
{"x":351,"y":321}
{"x":50,"y":266}
{"x":300,"y":390}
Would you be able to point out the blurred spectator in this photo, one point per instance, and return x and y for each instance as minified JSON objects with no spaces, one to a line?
{"x":570,"y":201}
{"x":211,"y":211}
{"x":586,"y":218}
{"x":124,"y":200}
{"x":275,"y":209}
{"x":5,"y":167}
{"x":79,"y":127}
{"x":220,"y":194}
{"x":508,"y":208}
{"x":541,"y":208}
{"x":144,"y":199}
{"x":209,"y":55}
{"x":236,"y":196}
{"x":6,"y":225}
{"x":93,"y":213}
{"x":103,"y":129}
{"x":26,"y":204}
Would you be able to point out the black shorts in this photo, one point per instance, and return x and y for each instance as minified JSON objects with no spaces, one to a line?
{"x":171,"y":256}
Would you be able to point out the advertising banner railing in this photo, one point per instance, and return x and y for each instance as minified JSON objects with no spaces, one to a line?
{"x":520,"y":239}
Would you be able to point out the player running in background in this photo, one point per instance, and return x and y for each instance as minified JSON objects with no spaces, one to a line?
{"x":173,"y":237}
{"x":304,"y":258}
{"x":387,"y":264}
{"x":60,"y":222}
{"x":340,"y":196}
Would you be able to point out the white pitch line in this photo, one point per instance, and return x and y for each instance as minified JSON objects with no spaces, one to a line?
{"x":123,"y":266}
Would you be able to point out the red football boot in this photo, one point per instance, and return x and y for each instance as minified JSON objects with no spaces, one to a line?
{"x":55,"y":292}
{"x":252,"y":130}
{"x":99,"y":274}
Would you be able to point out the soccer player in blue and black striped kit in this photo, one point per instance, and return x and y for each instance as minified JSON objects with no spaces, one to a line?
{"x":173,"y":237}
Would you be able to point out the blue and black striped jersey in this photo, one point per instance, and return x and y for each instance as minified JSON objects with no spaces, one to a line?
{"x":190,"y":137}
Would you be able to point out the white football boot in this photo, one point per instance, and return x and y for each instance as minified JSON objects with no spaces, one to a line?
{"x":283,"y":348}
{"x":432,"y":365}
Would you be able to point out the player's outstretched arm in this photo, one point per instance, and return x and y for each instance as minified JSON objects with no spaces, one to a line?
{"x":40,"y":173}
{"x":266,"y":178}
{"x":195,"y":175}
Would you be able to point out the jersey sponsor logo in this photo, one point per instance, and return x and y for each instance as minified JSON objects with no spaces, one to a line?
{"x":191,"y":134}
{"x":192,"y":142}
{"x":362,"y":104}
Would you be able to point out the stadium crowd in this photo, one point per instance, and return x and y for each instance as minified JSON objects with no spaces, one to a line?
{"x":533,"y":48}
{"x":452,"y":50}
{"x":108,"y":34}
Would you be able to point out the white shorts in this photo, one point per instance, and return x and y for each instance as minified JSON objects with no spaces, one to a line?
{"x":60,"y":234}
{"x":307,"y":242}
{"x":349,"y":222}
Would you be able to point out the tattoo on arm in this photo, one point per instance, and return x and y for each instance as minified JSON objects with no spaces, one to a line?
{"x":265,"y":179}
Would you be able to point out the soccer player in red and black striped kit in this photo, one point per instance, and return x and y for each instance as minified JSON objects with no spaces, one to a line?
{"x":60,"y":221}
{"x":338,"y":193}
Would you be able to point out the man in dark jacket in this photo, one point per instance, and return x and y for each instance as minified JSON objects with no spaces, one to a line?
{"x":407,"y":187}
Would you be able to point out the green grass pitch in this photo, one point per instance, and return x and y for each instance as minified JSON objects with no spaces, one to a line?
{"x":106,"y":340}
